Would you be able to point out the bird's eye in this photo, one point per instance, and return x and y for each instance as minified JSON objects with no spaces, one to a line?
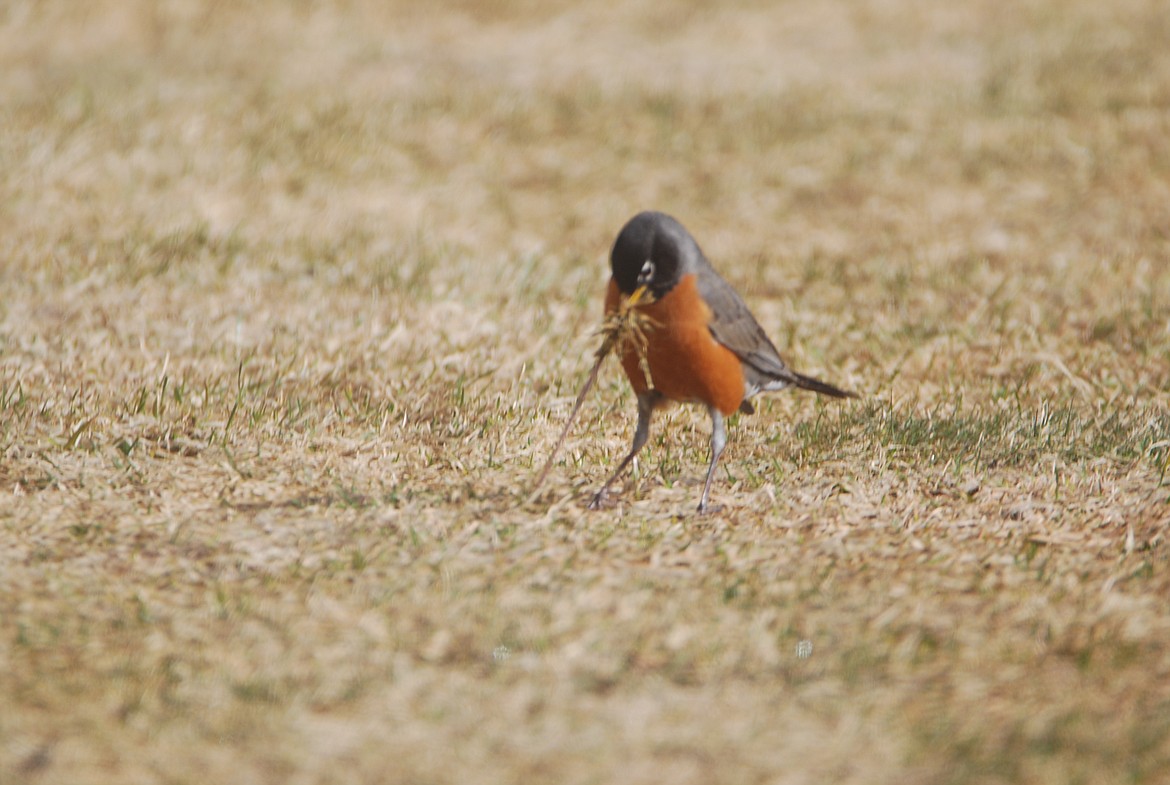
{"x":647,"y":272}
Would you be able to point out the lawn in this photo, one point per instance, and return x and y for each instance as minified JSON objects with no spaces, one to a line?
{"x":295,"y":298}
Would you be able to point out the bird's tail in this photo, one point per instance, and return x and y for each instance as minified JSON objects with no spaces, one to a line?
{"x":817,"y":386}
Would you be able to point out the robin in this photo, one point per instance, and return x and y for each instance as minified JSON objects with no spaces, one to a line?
{"x":702,"y":343}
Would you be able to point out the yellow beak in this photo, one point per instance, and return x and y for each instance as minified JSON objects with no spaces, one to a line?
{"x":636,"y":296}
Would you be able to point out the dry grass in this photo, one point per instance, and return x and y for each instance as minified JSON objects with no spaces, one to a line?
{"x":296,"y":297}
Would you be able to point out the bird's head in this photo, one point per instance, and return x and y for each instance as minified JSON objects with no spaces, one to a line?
{"x":651,"y":255}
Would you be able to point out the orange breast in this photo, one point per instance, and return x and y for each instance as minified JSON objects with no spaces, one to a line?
{"x":686,"y":363}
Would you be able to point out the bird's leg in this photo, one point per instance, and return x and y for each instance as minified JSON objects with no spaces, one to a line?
{"x":646,"y":403}
{"x":718,"y":442}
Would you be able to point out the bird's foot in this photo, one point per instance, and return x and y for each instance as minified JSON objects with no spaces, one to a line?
{"x":599,"y":499}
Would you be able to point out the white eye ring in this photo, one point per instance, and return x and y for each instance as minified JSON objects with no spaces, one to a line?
{"x":647,"y":272}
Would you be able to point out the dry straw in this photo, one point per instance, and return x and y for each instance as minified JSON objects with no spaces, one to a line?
{"x":623,"y":329}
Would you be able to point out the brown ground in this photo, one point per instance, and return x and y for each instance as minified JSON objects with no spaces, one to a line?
{"x":296,"y":297}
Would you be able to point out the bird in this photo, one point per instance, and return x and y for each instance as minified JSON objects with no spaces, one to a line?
{"x":702,"y":344}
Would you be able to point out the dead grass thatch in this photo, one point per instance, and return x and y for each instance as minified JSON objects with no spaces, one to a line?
{"x":297,"y":296}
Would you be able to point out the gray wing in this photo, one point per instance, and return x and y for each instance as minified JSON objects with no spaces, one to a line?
{"x":733,"y":325}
